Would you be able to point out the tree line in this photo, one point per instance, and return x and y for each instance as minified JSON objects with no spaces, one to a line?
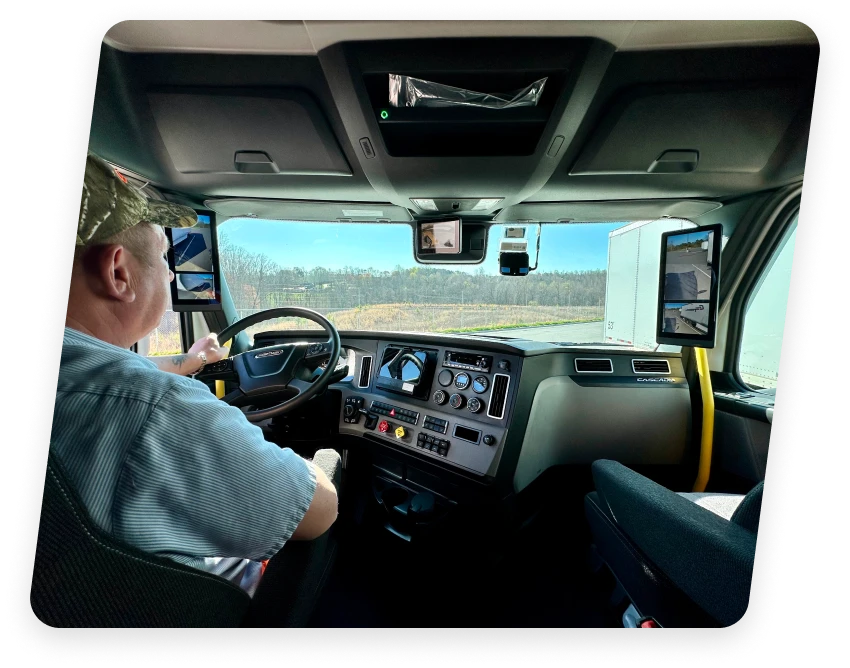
{"x":257,"y":282}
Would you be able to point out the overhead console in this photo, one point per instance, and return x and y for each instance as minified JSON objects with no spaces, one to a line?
{"x":445,"y":152}
{"x":446,"y":403}
{"x":485,"y":66}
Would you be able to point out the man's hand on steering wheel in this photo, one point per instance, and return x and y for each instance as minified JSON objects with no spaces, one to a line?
{"x":283,"y":371}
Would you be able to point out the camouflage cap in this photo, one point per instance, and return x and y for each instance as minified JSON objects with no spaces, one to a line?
{"x":111,"y":205}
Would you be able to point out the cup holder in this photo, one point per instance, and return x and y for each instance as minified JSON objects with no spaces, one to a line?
{"x":396,"y":499}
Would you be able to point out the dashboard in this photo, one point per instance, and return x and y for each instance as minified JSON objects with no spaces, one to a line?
{"x":491,"y":408}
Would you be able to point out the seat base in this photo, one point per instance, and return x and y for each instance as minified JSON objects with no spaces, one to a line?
{"x":648,"y":589}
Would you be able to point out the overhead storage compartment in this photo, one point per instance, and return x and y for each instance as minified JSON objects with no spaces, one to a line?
{"x":659,"y":130}
{"x":257,"y":133}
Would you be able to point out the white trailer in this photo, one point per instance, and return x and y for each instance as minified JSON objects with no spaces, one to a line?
{"x":696,"y":314}
{"x":631,"y":293}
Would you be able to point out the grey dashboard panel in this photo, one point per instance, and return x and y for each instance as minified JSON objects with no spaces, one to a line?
{"x":578,"y":418}
{"x":554,"y":414}
{"x":471,"y":455}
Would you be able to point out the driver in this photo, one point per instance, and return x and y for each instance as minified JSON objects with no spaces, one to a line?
{"x":157,"y":460}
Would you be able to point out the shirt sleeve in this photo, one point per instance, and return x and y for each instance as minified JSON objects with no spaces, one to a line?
{"x":200,"y":480}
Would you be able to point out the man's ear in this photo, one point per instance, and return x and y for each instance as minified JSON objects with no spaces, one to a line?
{"x":115,"y":270}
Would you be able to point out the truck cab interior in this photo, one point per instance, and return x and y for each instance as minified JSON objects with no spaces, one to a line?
{"x":516,"y":447}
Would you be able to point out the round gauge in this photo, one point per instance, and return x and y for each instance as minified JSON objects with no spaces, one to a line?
{"x":445,"y":378}
{"x":462,"y":381}
{"x":456,"y":401}
{"x":474,"y":405}
{"x":480,"y":384}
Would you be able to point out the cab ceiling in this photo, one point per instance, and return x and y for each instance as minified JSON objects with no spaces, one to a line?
{"x":629,"y":112}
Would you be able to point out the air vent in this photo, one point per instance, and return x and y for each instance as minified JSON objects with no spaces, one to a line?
{"x":594,"y":365}
{"x":499,"y":396}
{"x":365,"y":371}
{"x":651,"y":366}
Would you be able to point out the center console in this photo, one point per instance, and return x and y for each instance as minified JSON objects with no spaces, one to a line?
{"x":445,"y":403}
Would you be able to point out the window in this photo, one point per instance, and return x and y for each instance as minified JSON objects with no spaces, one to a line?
{"x":595,"y":282}
{"x":165,"y":339}
{"x":764,"y":321}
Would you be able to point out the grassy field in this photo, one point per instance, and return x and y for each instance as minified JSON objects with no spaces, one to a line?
{"x":443,"y":319}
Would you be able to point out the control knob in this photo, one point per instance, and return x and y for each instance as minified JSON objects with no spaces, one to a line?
{"x":440,"y":397}
{"x":456,"y":401}
{"x":489,"y":439}
{"x":474,"y":405}
{"x":348,"y":410}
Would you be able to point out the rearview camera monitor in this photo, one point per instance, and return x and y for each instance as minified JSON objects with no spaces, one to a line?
{"x":193,"y":257}
{"x":687,"y":292}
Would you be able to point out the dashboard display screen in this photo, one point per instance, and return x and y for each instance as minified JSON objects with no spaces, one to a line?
{"x":407,"y":370}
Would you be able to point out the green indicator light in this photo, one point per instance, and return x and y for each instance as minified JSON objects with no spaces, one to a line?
{"x":385,"y":114}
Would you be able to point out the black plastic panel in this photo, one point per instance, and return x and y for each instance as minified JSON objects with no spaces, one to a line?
{"x":731,"y":129}
{"x":286,"y":126}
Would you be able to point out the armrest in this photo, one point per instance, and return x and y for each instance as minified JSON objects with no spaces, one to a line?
{"x":707,"y":557}
{"x":331,"y":464}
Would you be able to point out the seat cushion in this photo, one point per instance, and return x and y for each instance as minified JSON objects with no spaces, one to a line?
{"x":722,"y":505}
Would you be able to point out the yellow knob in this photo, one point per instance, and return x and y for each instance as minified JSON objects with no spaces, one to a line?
{"x":400,"y":432}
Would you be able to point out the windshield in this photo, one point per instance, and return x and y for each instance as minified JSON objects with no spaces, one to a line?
{"x":364,"y":277}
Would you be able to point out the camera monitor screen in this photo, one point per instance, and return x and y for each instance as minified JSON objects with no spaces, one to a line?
{"x":407,"y":370}
{"x":440,"y":237}
{"x":193,"y":257}
{"x":687,"y":295}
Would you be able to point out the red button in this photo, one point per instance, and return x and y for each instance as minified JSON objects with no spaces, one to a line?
{"x":384,"y":427}
{"x":392,"y":413}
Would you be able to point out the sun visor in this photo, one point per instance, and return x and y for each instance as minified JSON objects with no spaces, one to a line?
{"x":296,"y":210}
{"x":601,"y":212}
{"x":260,"y":135}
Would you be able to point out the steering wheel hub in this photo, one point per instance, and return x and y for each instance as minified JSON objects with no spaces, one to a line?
{"x":285,"y":370}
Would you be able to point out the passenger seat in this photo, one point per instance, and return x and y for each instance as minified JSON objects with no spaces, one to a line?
{"x":683,"y":559}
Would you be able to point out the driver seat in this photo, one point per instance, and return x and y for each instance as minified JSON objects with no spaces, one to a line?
{"x":83,"y":577}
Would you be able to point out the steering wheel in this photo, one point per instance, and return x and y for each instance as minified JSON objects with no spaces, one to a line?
{"x":283,"y":370}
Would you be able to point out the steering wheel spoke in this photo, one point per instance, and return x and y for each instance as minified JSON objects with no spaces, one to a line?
{"x":221,"y":370}
{"x":286,"y":370}
{"x":300,"y":385}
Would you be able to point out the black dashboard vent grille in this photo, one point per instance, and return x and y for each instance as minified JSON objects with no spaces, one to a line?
{"x":651,"y":366}
{"x":365,"y":371}
{"x":594,"y":365}
{"x":499,"y":396}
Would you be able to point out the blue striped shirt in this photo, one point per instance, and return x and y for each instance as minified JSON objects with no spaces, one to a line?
{"x":163,"y":465}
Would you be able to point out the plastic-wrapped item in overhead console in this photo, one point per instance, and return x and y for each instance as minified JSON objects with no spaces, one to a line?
{"x":408,"y":91}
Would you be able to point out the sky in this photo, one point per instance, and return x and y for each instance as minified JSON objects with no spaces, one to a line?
{"x":564,"y":247}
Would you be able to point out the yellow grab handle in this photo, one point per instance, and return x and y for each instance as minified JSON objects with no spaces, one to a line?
{"x":219,"y":384}
{"x":707,"y":440}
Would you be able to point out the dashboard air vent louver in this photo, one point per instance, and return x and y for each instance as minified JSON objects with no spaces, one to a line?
{"x":365,"y":371}
{"x":499,"y":396}
{"x":594,"y":365}
{"x":651,"y":366}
